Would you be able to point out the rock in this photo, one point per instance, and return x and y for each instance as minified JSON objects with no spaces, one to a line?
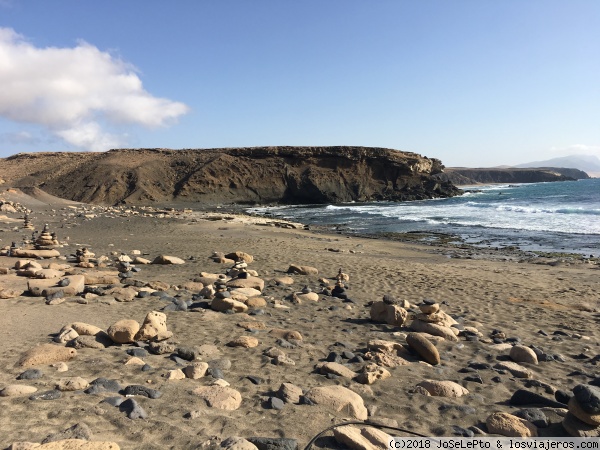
{"x":285,"y":280}
{"x":302,"y":270}
{"x":102,"y":385}
{"x":385,"y":346}
{"x":123,"y":331}
{"x":506,"y":424}
{"x":434,"y":329}
{"x":525,"y":397}
{"x":247,"y":283}
{"x":534,"y":415}
{"x":283,"y":360}
{"x":240,"y":257}
{"x":17,"y":390}
{"x":224,"y":304}
{"x":577,"y":410}
{"x":99,"y":341}
{"x":308,"y":297}
{"x":140,"y":260}
{"x":176,"y":374}
{"x":122,"y":295}
{"x":443,"y":388}
{"x":336,"y":369}
{"x":78,"y":431}
{"x":7,"y":293}
{"x":48,"y":274}
{"x":515,"y":369}
{"x":386,"y":313}
{"x":65,"y":336}
{"x":264,"y":443}
{"x":133,"y":409}
{"x":256,"y":302}
{"x":46,"y":354}
{"x":135,"y":361}
{"x":340,"y":399}
{"x":588,"y":397}
{"x":577,"y":428}
{"x":41,"y":287}
{"x":361,"y":439}
{"x":154,"y":324}
{"x":522,"y":354}
{"x":43,"y":254}
{"x":242,"y":294}
{"x":372,"y":373}
{"x":424,"y":348}
{"x":78,"y":444}
{"x":243,"y":341}
{"x":60,"y":366}
{"x":429,"y":308}
{"x":196,"y":370}
{"x":72,"y":384}
{"x":276,"y":403}
{"x":289,"y":393}
{"x":46,"y":395}
{"x":85,"y":329}
{"x":136,"y":389}
{"x":286,"y":334}
{"x":164,"y":259}
{"x":30,"y":374}
{"x":237,"y":443}
{"x":219,"y":397}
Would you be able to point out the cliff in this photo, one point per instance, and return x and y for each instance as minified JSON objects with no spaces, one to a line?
{"x":464,"y":176}
{"x":235,"y":175}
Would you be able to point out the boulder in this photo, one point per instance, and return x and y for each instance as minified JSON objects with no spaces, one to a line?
{"x":506,"y":424}
{"x":154,"y":324}
{"x":46,"y":354}
{"x":220,"y":397}
{"x":372,"y":373}
{"x":387,"y":313}
{"x":17,"y":390}
{"x":223,"y":304}
{"x":443,"y":388}
{"x":240,"y":257}
{"x":434,"y":329}
{"x":522,"y":354}
{"x":85,"y":329}
{"x":339,"y":399}
{"x":302,"y":270}
{"x":123,"y":331}
{"x":247,"y":283}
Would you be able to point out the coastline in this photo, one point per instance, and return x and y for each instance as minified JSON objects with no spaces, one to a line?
{"x":519,"y":299}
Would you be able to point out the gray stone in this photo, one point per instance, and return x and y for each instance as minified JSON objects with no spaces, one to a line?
{"x":54,"y":394}
{"x":133,"y":409}
{"x":136,"y":389}
{"x":264,"y":443}
{"x":30,"y":374}
{"x":113,"y":401}
{"x":588,"y":398}
{"x":188,"y":353}
{"x":138,"y":352}
{"x":534,"y":415}
{"x":101,"y":385}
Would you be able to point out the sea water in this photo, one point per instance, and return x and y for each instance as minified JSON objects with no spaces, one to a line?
{"x":547,"y":217}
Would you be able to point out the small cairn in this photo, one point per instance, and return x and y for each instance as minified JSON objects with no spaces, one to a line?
{"x":583,"y":418}
{"x":83,"y":254}
{"x":339,"y":290}
{"x":45,"y":240}
{"x":27,"y":225}
{"x":434,"y":321}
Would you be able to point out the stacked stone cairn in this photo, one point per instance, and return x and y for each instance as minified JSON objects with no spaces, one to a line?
{"x":433,"y":320}
{"x":390,"y":310}
{"x":27,"y":225}
{"x":45,"y":240}
{"x":583,"y":418}
{"x":339,"y":291}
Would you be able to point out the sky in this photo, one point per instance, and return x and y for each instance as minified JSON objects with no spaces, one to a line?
{"x":474,"y":83}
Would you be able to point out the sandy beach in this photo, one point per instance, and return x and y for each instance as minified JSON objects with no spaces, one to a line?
{"x":553,"y":305}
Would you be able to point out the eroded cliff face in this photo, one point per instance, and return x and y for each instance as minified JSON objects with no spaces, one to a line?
{"x":236,"y":175}
{"x":465,"y":176}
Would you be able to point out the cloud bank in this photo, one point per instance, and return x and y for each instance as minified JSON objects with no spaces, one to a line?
{"x":76,"y":93}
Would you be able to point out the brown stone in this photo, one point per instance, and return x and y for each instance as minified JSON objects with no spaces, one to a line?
{"x":424,"y":348}
{"x":123,"y":331}
{"x":220,"y":397}
{"x":339,"y":399}
{"x":46,"y":354}
{"x":506,"y":424}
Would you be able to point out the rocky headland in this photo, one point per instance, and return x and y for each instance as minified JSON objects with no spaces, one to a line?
{"x":258,"y":175}
{"x":462,"y":176}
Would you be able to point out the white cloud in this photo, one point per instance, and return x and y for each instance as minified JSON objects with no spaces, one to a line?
{"x":75,"y":92}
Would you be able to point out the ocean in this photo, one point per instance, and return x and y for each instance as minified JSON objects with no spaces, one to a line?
{"x":545,"y":217}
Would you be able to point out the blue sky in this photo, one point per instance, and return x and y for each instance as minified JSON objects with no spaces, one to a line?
{"x":474,"y":83}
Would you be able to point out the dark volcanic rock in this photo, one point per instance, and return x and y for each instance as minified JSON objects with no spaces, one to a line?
{"x":524,"y":397}
{"x":588,"y":398}
{"x":264,"y":443}
{"x":136,"y":389}
{"x":240,"y":175}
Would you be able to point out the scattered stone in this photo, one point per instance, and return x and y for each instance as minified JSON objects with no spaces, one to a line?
{"x":578,"y":411}
{"x":173,"y":375}
{"x":72,"y":384}
{"x":443,"y":388}
{"x":165,"y":260}
{"x":220,"y":397}
{"x":85,"y":329}
{"x":99,"y":341}
{"x":196,"y":370}
{"x":30,"y":374}
{"x":133,"y":409}
{"x":534,"y":415}
{"x":515,"y":369}
{"x":506,"y":424}
{"x":386,"y":313}
{"x":372,"y":373}
{"x":577,"y":428}
{"x":155,"y":323}
{"x":101,"y":385}
{"x":225,"y":304}
{"x":339,"y":399}
{"x":522,"y":354}
{"x":424,"y":348}
{"x":136,"y":389}
{"x":336,"y":369}
{"x":264,"y":443}
{"x":276,"y":403}
{"x":78,"y":431}
{"x":588,"y":397}
{"x":243,"y":341}
{"x":302,"y":270}
{"x":17,"y":390}
{"x":289,"y":393}
{"x":123,"y":331}
{"x":53,"y":394}
{"x":523,"y":397}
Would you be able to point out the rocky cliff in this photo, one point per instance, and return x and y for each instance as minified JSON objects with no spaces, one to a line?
{"x":464,"y":176}
{"x":234,"y":175}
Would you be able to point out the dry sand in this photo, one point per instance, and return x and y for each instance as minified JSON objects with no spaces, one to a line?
{"x":517,"y":298}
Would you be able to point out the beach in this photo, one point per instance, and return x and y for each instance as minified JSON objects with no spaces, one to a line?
{"x":552,"y":304}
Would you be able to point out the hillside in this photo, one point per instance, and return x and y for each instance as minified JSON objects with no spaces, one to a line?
{"x":587,"y":163}
{"x":236,"y":175}
{"x":465,"y":176}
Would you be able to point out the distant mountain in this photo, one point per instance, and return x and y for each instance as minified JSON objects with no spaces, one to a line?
{"x":588,"y":163}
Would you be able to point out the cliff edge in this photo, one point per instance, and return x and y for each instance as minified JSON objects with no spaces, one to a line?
{"x":461,"y":176}
{"x":257,"y":175}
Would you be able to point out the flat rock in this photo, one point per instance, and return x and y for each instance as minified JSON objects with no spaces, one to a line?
{"x":85,"y":329}
{"x":577,"y":428}
{"x":46,"y":354}
{"x":577,"y":410}
{"x":244,"y":292}
{"x":506,"y":424}
{"x":339,"y":399}
{"x":302,"y":270}
{"x":424,"y":348}
{"x":336,"y":369}
{"x":515,"y":369}
{"x":220,"y":397}
{"x":289,"y":393}
{"x":247,"y":283}
{"x":243,"y":341}
{"x":165,"y":260}
{"x":17,"y":390}
{"x":443,"y":388}
{"x":435,"y":329}
{"x":224,"y":304}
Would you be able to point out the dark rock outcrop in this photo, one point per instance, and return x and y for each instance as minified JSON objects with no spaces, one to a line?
{"x":235,"y":175}
{"x":464,"y":176}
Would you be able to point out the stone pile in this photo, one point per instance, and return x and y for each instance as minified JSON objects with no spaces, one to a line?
{"x":27,"y":225}
{"x":583,"y":418}
{"x":433,"y":320}
{"x":46,"y":240}
{"x":390,"y":310}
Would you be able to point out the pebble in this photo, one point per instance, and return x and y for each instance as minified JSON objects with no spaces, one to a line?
{"x":534,"y":415}
{"x":255,"y":380}
{"x":101,"y":385}
{"x":443,"y":388}
{"x":30,"y":374}
{"x":221,"y":364}
{"x":276,"y":403}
